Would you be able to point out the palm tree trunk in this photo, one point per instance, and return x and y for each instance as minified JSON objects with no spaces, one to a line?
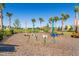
{"x":40,"y":25}
{"x":33,"y":28}
{"x":76,"y":29}
{"x":55,"y":26}
{"x":9,"y":24}
{"x":62,"y":25}
{"x":76,"y":18}
{"x":26,"y":25}
{"x":1,"y":20}
{"x":51,"y":28}
{"x":75,"y":15}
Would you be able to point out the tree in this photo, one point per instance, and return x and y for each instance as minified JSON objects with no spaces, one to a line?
{"x":47,"y":25}
{"x":33,"y":21}
{"x":56,"y":18}
{"x":16,"y":23}
{"x":9,"y":20}
{"x":76,"y":10}
{"x":25,"y":24}
{"x":59,"y":29}
{"x":2,"y":5}
{"x":41,"y":20}
{"x":64,"y":18}
{"x":50,"y":22}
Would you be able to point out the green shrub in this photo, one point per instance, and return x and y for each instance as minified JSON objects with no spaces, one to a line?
{"x":28,"y":30}
{"x":22,"y":30}
{"x":46,"y":30}
{"x":8,"y":32}
{"x":18,"y":31}
{"x":12,"y":31}
{"x":1,"y":35}
{"x":37,"y":30}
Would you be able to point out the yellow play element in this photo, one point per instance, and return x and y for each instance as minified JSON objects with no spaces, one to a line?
{"x":68,"y":27}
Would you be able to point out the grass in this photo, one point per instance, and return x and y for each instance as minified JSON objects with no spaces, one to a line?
{"x":65,"y":32}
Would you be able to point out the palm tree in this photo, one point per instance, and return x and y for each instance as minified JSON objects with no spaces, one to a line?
{"x":17,"y":24}
{"x":2,"y":5}
{"x":9,"y":20}
{"x":33,"y":21}
{"x":25,"y":24}
{"x":50,"y":22}
{"x":76,"y":10}
{"x":41,"y":20}
{"x":56,"y":18}
{"x":64,"y":18}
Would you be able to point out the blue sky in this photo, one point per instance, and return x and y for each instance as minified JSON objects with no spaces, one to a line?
{"x":26,"y":11}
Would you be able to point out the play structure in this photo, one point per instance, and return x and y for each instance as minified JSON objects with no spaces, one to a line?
{"x":53,"y":34}
{"x":76,"y":33}
{"x":7,"y":48}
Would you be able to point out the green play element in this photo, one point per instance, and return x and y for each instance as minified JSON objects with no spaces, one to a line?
{"x":53,"y":26}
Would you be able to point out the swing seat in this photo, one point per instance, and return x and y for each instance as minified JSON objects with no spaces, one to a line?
{"x":7,"y":48}
{"x":54,"y":35}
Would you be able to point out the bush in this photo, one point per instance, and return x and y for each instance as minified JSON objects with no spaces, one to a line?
{"x":1,"y":35}
{"x":37,"y":30}
{"x":31,"y":30}
{"x":12,"y":31}
{"x":8,"y":32}
{"x":46,"y":30}
{"x":18,"y":31}
{"x":28,"y":30}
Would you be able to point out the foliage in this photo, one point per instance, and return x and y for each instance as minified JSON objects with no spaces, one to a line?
{"x":8,"y":14}
{"x":50,"y":20}
{"x":56,"y":18}
{"x":33,"y":21}
{"x":46,"y":29}
{"x":30,"y":30}
{"x":16,"y":23}
{"x":8,"y":32}
{"x":17,"y":31}
{"x":64,"y":16}
{"x":2,"y":5}
{"x":41,"y":20}
{"x":76,"y":9}
{"x":1,"y":35}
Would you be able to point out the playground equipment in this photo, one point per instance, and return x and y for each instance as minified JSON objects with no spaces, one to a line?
{"x":53,"y":34}
{"x":68,"y":28}
{"x":7,"y":48}
{"x":75,"y":35}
